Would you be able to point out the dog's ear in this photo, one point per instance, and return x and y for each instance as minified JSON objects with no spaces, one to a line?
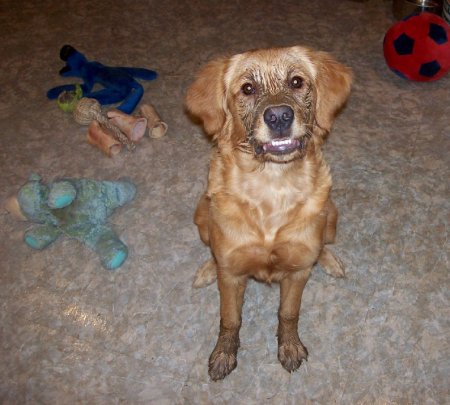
{"x":205,"y":98}
{"x":333,"y":81}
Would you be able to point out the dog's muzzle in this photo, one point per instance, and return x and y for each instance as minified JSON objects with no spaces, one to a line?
{"x":279,"y":120}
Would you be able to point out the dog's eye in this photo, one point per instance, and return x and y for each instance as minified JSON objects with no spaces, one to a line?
{"x":248,"y":89}
{"x":296,"y":82}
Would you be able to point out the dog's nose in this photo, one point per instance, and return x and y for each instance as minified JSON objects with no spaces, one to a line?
{"x":279,"y":118}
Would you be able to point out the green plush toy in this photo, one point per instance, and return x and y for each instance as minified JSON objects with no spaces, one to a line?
{"x":78,"y":208}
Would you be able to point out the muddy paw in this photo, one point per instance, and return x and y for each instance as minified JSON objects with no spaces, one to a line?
{"x":291,"y":355}
{"x":221,"y":364}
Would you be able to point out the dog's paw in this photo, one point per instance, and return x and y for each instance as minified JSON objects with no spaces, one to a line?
{"x":331,"y":264}
{"x":221,"y":364}
{"x":291,"y":355}
{"x":206,"y":274}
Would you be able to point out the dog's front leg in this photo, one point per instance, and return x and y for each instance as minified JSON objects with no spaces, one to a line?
{"x":223,"y":358}
{"x":291,"y":351}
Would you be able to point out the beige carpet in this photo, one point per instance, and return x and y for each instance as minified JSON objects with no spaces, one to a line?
{"x":72,"y":332}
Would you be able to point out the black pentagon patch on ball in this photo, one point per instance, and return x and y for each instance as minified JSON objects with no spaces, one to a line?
{"x":404,"y":45}
{"x":437,"y":34}
{"x":430,"y":69}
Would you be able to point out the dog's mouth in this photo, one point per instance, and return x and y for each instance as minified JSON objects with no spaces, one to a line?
{"x":280,"y":146}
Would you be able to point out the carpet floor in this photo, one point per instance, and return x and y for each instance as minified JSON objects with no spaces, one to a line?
{"x":72,"y":332}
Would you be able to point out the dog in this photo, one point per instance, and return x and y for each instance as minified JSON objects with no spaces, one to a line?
{"x":267,"y":213}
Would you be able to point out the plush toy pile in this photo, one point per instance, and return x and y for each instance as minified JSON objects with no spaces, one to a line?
{"x":418,"y":48}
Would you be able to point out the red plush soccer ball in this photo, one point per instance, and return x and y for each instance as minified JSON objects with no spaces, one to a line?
{"x":418,"y":48}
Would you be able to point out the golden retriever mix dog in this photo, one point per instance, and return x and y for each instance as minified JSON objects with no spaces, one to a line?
{"x":267,"y":211}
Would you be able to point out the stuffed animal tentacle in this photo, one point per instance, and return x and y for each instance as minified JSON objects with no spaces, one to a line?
{"x":141,"y":73}
{"x":132,"y":100}
{"x":40,"y":236}
{"x":118,"y":193}
{"x":108,"y":96}
{"x":61,"y":194}
{"x":32,"y":199}
{"x":102,"y":240}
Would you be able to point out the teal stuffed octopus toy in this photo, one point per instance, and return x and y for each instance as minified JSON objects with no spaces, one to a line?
{"x":78,"y":208}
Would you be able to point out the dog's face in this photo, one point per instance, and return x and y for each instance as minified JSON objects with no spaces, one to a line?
{"x":271,"y":102}
{"x":272,"y":95}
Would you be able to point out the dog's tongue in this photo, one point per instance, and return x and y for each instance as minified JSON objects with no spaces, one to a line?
{"x":281,"y":145}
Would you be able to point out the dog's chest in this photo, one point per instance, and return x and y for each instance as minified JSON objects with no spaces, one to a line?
{"x":277,"y":205}
{"x":276,"y":237}
{"x":273,"y":208}
{"x":275,"y":200}
{"x":268,"y":222}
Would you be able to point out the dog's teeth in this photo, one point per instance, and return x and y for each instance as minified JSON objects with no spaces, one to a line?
{"x":284,"y":142}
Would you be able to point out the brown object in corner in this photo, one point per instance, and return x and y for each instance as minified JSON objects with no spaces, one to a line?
{"x":133,"y":127}
{"x":157,"y":128}
{"x":101,"y":137}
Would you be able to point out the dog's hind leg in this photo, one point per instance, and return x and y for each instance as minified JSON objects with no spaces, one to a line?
{"x":206,"y":274}
{"x":330,"y":263}
{"x":201,"y":218}
{"x":330,"y":227}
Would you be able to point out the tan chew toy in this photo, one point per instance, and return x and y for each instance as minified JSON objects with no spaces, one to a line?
{"x":156,"y":127}
{"x":133,"y":127}
{"x":102,"y":138}
{"x":88,"y":110}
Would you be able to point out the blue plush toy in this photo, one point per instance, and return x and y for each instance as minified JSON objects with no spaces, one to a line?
{"x":77,"y":208}
{"x":119,"y":82}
